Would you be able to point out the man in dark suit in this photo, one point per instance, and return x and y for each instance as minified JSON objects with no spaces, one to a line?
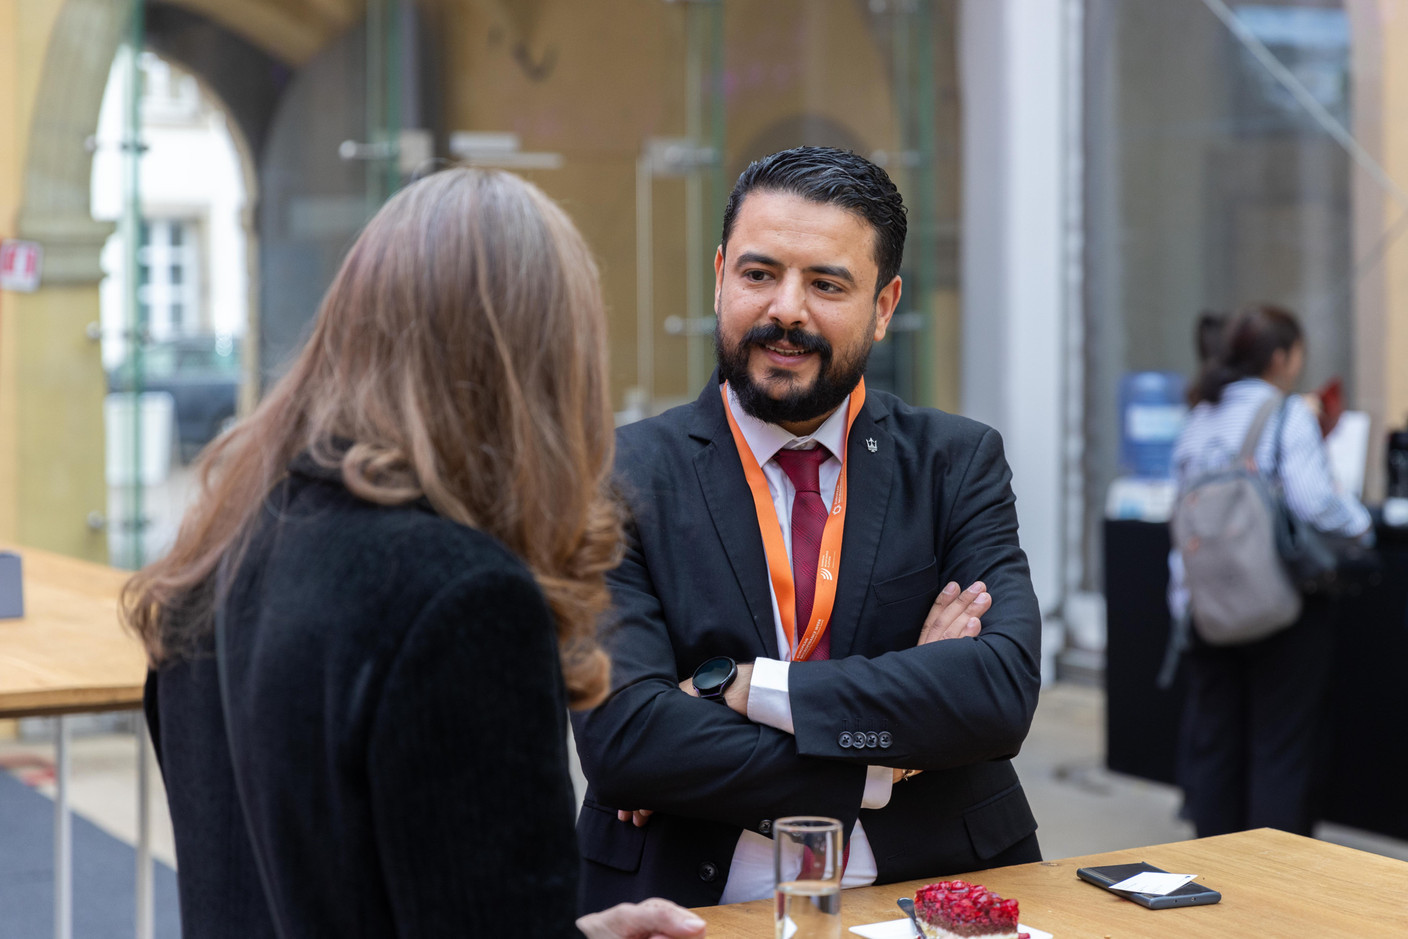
{"x":788,"y":536}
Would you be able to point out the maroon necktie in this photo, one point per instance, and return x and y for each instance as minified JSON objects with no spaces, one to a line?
{"x":809,"y":515}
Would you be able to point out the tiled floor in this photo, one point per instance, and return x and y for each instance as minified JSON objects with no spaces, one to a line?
{"x":1082,"y":808}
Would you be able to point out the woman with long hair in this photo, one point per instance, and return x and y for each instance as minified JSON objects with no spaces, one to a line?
{"x":1252,"y":725}
{"x":366,"y":636}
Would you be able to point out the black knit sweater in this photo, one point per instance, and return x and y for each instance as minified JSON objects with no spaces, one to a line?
{"x":398,"y":726}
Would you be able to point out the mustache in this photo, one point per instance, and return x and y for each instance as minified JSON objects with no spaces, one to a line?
{"x":772,"y":334}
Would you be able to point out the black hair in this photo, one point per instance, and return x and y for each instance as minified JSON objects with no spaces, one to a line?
{"x":829,"y":176}
{"x":1207,"y":335}
{"x":1249,"y":340}
{"x":1207,"y":343}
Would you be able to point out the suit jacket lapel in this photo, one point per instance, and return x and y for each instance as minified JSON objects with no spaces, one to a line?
{"x":730,"y":505}
{"x":868,"y":478}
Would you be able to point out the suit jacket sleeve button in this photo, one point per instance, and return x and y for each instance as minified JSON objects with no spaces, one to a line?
{"x":708,"y":872}
{"x":845,"y":739}
{"x":765,"y":827}
{"x":872,"y":739}
{"x":858,"y":740}
{"x":885,"y":740}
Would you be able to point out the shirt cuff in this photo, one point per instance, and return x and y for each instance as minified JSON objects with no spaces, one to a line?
{"x":879,"y":782}
{"x":768,"y":701}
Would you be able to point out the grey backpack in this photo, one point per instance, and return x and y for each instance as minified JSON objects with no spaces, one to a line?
{"x":1225,"y":526}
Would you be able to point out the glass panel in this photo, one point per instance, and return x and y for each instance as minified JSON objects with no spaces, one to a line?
{"x":329,"y":118}
{"x":1213,"y":178}
{"x":174,"y":309}
{"x":806,"y":79}
{"x":331,"y":155}
{"x":126,"y":403}
{"x":321,"y":140}
{"x":383,"y":83}
{"x":640,"y":123}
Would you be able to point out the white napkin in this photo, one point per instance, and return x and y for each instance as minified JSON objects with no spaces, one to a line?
{"x":904,"y":929}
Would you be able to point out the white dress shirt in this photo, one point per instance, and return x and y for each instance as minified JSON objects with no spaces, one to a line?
{"x":750,"y":876}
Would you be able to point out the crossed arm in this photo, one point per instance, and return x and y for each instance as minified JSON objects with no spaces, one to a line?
{"x":954,"y":615}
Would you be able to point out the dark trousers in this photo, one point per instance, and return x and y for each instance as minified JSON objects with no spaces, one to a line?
{"x":1252,"y":745}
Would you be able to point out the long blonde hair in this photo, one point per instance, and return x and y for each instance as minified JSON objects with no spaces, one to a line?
{"x":461,"y":352}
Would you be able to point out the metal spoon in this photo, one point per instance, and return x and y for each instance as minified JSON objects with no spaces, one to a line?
{"x":906,"y":904}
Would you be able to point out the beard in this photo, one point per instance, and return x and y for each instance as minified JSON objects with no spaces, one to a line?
{"x":796,"y":401}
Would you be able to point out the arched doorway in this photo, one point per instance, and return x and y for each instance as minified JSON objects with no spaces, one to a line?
{"x":249,"y":56}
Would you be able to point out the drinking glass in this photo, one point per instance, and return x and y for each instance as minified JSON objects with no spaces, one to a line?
{"x":807,"y":872}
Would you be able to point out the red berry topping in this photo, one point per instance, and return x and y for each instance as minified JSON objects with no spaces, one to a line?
{"x":963,"y":907}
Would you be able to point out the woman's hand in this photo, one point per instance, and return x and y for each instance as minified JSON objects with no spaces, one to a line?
{"x":652,"y":919}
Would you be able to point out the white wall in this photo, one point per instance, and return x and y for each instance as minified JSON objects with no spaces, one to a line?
{"x":1013,"y":271}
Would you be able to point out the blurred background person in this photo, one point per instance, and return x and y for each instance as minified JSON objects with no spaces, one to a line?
{"x":1252,"y":722}
{"x":366,"y":637}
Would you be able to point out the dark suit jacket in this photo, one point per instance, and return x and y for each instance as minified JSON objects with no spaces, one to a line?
{"x":932,"y":503}
{"x":399,"y":731}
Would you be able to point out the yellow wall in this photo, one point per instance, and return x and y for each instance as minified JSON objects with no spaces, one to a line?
{"x":10,"y":161}
{"x":24,"y":34}
{"x":51,"y":377}
{"x":60,"y":432}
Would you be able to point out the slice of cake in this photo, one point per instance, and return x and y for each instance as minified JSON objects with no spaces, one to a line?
{"x":956,"y":909}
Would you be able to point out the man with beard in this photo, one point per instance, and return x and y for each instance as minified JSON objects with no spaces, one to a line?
{"x":779,"y":613}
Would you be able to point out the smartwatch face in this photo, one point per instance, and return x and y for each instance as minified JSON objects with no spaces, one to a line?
{"x":709,"y":676}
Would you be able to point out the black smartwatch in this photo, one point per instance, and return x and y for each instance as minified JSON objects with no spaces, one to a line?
{"x":712,"y":678}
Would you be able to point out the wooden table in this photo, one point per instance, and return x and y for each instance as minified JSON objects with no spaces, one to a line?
{"x":1272,"y":884}
{"x":68,"y":655}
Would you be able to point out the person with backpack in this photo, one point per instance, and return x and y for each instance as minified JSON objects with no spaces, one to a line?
{"x":1252,"y":725}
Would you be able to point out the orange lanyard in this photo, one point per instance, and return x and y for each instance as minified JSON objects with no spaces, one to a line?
{"x":779,"y":567}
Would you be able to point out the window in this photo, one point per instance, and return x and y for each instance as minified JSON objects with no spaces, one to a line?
{"x":168,"y":265}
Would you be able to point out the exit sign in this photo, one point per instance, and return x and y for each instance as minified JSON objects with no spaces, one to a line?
{"x":20,"y":265}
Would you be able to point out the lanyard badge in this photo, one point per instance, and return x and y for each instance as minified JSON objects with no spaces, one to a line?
{"x":779,"y":567}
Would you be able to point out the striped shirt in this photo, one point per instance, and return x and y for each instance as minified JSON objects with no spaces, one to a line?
{"x":1211,"y":440}
{"x":1213,"y":434}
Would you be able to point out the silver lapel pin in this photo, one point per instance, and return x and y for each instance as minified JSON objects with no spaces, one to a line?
{"x":871,"y":445}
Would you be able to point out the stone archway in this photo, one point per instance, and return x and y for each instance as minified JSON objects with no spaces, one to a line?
{"x":58,"y":169}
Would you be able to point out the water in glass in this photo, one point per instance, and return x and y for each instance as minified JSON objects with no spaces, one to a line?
{"x":808,"y":909}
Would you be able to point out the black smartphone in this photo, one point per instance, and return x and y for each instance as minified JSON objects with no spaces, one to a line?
{"x":1190,"y":894}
